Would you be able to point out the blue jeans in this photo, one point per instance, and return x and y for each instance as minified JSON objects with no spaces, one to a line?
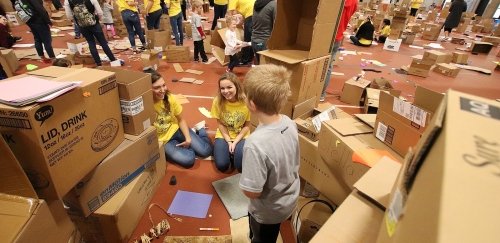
{"x":93,"y":33}
{"x":43,"y":38}
{"x":176,"y":23}
{"x":153,"y":19}
{"x":77,"y":30}
{"x":133,"y":25}
{"x":185,"y":157}
{"x":335,"y":49}
{"x":223,"y":157}
{"x":258,"y":46}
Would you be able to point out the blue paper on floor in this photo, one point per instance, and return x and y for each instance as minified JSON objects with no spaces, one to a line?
{"x":190,"y":204}
{"x":232,"y":197}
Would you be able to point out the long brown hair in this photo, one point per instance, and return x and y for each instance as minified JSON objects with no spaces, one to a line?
{"x":155,"y":76}
{"x":240,"y":95}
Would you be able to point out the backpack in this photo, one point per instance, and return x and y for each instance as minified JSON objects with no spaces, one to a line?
{"x":83,"y":13}
{"x":23,"y":11}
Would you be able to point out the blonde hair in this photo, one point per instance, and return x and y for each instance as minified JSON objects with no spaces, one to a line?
{"x":268,"y":87}
{"x":195,"y":4}
{"x":240,"y":95}
{"x":230,"y":19}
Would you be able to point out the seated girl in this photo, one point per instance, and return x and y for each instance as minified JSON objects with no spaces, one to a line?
{"x":364,"y":35}
{"x":386,"y":31}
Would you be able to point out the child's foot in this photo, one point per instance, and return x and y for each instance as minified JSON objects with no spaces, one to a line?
{"x":196,"y":60}
{"x":228,"y":70}
{"x":198,"y":126}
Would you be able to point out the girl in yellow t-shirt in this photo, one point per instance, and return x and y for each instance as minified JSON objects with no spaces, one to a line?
{"x":386,"y":31}
{"x":180,"y":143}
{"x":233,"y":118}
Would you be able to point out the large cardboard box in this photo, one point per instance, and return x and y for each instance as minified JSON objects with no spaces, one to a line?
{"x":359,"y":217}
{"x":447,"y":69}
{"x":78,"y":46}
{"x":158,"y":39}
{"x":311,"y":126}
{"x":130,"y":158}
{"x":308,"y":76}
{"x":32,"y":220}
{"x":462,"y":167}
{"x":307,"y":26}
{"x":178,"y":54}
{"x":309,"y":216}
{"x":432,"y":57}
{"x":371,"y":102}
{"x":136,"y":99}
{"x":116,"y":220}
{"x":481,"y":47}
{"x":13,"y":180}
{"x":150,"y":59}
{"x":418,"y":68}
{"x":431,"y":32}
{"x":164,"y":22}
{"x":400,"y":124}
{"x":353,"y":92}
{"x":60,"y":141}
{"x":218,"y":43}
{"x":491,"y":39}
{"x":9,"y":62}
{"x":460,"y":58}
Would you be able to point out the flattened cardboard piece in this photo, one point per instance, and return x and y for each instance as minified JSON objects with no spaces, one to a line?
{"x":193,"y":71}
{"x":178,"y":68}
{"x":187,"y":80}
{"x":349,"y":126}
{"x":369,"y":119}
{"x":199,"y":82}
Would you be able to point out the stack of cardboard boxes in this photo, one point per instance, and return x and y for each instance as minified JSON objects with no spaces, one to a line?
{"x":73,"y":149}
{"x":421,"y":65}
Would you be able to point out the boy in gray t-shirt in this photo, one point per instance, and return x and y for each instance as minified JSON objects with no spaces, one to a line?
{"x":197,"y":32}
{"x":270,"y":175}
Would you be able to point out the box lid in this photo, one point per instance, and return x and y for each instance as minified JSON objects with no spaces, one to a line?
{"x":15,"y":212}
{"x":368,"y":119}
{"x":349,"y":126}
{"x":288,"y":56}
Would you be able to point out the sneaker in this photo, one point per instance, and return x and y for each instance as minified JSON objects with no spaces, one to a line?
{"x":143,"y":47}
{"x":196,"y":60}
{"x":18,"y":38}
{"x":321,"y":99}
{"x":198,"y":126}
{"x":205,"y":61}
{"x":46,"y":60}
{"x":228,"y":70}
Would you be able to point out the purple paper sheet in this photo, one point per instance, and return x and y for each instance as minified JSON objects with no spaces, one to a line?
{"x":190,"y":204}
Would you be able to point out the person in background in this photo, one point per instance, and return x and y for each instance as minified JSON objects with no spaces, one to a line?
{"x":245,"y":8}
{"x":270,"y":175}
{"x":153,"y":14}
{"x":197,"y":32}
{"x":350,"y":7}
{"x":180,"y":143}
{"x":364,"y":35}
{"x":386,"y":31}
{"x":233,"y":45}
{"x":263,"y":16}
{"x":164,"y":7}
{"x":107,"y":18}
{"x":415,"y":5}
{"x":87,"y":14}
{"x":453,"y":19}
{"x":61,"y":62}
{"x":220,"y":9}
{"x":183,"y":9}
{"x":130,"y":16}
{"x":233,"y":118}
{"x":7,"y":40}
{"x":174,"y":11}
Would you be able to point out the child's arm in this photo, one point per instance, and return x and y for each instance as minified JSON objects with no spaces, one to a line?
{"x":149,"y":5}
{"x":98,"y":9}
{"x":251,"y":195}
{"x":224,"y":131}
{"x":185,"y":131}
{"x":243,"y":132}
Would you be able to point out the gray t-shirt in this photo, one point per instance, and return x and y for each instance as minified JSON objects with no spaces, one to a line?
{"x":195,"y":23}
{"x":262,"y":22}
{"x":271,"y":167}
{"x":107,"y":13}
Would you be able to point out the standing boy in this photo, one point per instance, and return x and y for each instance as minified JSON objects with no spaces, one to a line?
{"x":270,"y":176}
{"x":197,"y":31}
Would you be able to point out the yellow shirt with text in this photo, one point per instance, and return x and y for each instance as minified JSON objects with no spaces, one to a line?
{"x":123,"y":5}
{"x":234,"y":116}
{"x":174,"y":7}
{"x":166,"y":123}
{"x":244,"y":7}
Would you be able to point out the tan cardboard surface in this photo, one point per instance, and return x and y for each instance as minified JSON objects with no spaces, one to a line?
{"x":13,"y":180}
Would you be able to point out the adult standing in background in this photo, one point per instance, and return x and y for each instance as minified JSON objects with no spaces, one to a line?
{"x":153,"y":14}
{"x":174,"y":11}
{"x":183,"y":9}
{"x":264,"y":13}
{"x":130,"y":16}
{"x":245,"y":8}
{"x":415,"y":5}
{"x":456,"y":9}
{"x":220,"y":9}
{"x":350,"y":7}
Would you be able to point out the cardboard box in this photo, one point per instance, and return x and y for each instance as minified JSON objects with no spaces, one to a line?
{"x":136,"y":99}
{"x":446,"y":154}
{"x":457,"y":40}
{"x":206,"y":43}
{"x":178,"y":54}
{"x":128,"y":160}
{"x":32,"y":220}
{"x":13,"y":180}
{"x":381,"y":83}
{"x":13,"y":18}
{"x":418,"y":68}
{"x":409,"y":37}
{"x":481,"y":47}
{"x":308,"y":27}
{"x":392,"y":45}
{"x":432,"y":57}
{"x":158,"y":39}
{"x":221,"y":23}
{"x":218,"y":44}
{"x":491,"y":39}
{"x":353,"y":92}
{"x":304,"y":109}
{"x":116,"y":220}
{"x":477,"y":28}
{"x":308,"y":76}
{"x":447,"y":69}
{"x":371,"y":101}
{"x":50,"y":139}
{"x":9,"y":62}
{"x":400,"y":124}
{"x":164,"y":22}
{"x":186,"y":26}
{"x":61,"y":22}
{"x":150,"y":59}
{"x":311,"y":126}
{"x":78,"y":46}
{"x":431,"y":32}
{"x":309,"y":216}
{"x":83,"y":59}
{"x":359,"y":217}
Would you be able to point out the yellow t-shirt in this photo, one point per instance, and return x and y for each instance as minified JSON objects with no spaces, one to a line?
{"x":234,"y":117}
{"x":174,"y":7}
{"x":221,"y":2}
{"x":156,"y":5}
{"x":244,"y":7}
{"x":166,"y":123}
{"x":416,"y":3}
{"x":365,"y":41}
{"x":386,"y":31}
{"x":123,"y":5}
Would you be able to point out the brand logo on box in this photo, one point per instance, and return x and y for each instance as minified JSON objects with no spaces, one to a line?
{"x":44,"y":113}
{"x":104,"y":134}
{"x":480,"y":108}
{"x":487,"y":154}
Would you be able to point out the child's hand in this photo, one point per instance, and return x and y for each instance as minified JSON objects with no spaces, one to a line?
{"x":232,"y":146}
{"x":184,"y":144}
{"x":203,"y":37}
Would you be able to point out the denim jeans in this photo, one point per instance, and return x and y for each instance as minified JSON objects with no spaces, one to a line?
{"x":93,"y":33}
{"x":77,"y":30}
{"x":176,"y":23}
{"x":219,"y":12}
{"x":222,"y":156}
{"x":258,"y":46}
{"x":261,"y":233}
{"x":43,"y":38}
{"x":153,"y":20}
{"x":185,"y":157}
{"x":247,"y":52}
{"x":335,"y":49}
{"x":133,"y":25}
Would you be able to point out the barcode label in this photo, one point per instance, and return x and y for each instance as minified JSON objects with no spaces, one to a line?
{"x":381,"y":131}
{"x":15,"y":122}
{"x":409,"y":111}
{"x":132,"y":107}
{"x":94,"y":204}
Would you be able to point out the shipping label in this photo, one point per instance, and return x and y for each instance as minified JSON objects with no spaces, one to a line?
{"x":409,"y":111}
{"x":132,"y":107}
